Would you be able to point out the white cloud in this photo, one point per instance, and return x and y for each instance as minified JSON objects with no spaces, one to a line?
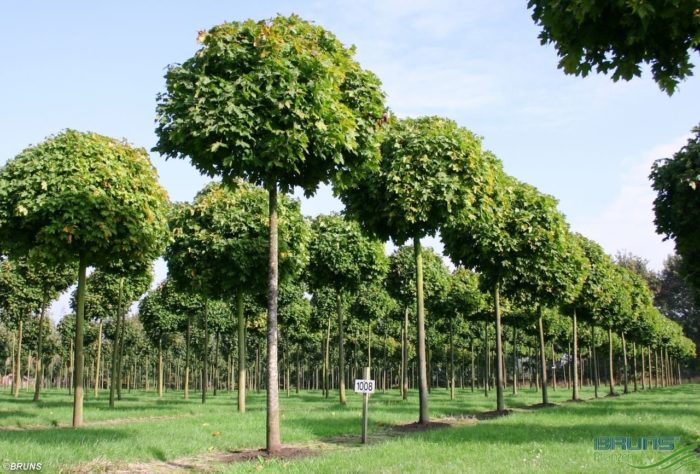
{"x":627,"y":222}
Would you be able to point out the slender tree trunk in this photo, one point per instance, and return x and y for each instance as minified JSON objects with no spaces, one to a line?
{"x":654,"y":375}
{"x":574,"y":379}
{"x":543,"y":357}
{"x":341,"y":349}
{"x":611,"y":375}
{"x":98,"y":359}
{"x":500,"y":402}
{"x":515,"y":360}
{"x":486,"y":360}
{"x":241,"y":352}
{"x":160,"y":367}
{"x":422,"y":369}
{"x":326,"y":360}
{"x":188,"y":344}
{"x":17,"y":377}
{"x":274,"y":443}
{"x":216,"y":362}
{"x":644,"y":371}
{"x":78,"y":346}
{"x":473,"y":374}
{"x":404,"y":369}
{"x":634,"y":365}
{"x":113,"y":380}
{"x":452,"y":360}
{"x":624,"y":360}
{"x":39,"y":351}
{"x":205,"y":356}
{"x":554,"y":369}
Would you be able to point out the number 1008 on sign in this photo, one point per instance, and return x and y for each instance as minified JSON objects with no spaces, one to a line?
{"x":364,"y":386}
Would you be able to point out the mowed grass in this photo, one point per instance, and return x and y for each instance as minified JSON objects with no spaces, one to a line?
{"x":556,"y":439}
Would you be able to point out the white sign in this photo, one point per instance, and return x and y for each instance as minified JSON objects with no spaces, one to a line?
{"x":364,"y":386}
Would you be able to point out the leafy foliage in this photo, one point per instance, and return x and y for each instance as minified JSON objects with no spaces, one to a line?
{"x":619,"y":35}
{"x":677,"y":205}
{"x":275,"y":101}
{"x":220,"y":240}
{"x":430,"y":168}
{"x":341,"y":256}
{"x":401,"y":280}
{"x":82,"y":194}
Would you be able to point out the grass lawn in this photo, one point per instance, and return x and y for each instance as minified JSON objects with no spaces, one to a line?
{"x":144,"y":429}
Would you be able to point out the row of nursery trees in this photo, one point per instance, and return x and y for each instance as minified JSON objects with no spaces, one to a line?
{"x":268,"y":107}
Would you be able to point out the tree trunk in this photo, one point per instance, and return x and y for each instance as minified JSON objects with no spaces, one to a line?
{"x":39,"y":351}
{"x":486,"y":360}
{"x":515,"y":360}
{"x":78,"y":346}
{"x":500,"y":402}
{"x":205,"y":356}
{"x":341,"y":349}
{"x":404,"y":369}
{"x":274,"y":443}
{"x":241,"y":352}
{"x":160,"y":367}
{"x":452,"y":360}
{"x":17,"y":376}
{"x":473,"y":374}
{"x":624,"y":360}
{"x":611,"y":375}
{"x":554,"y":369}
{"x":543,"y":357}
{"x":326,"y":361}
{"x":574,"y":378}
{"x":115,"y":348}
{"x":644,"y":370}
{"x":188,"y":344}
{"x":634,"y":365}
{"x":97,"y":361}
{"x":215,"y":369}
{"x":422,"y":369}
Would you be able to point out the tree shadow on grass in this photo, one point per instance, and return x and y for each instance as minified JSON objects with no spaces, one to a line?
{"x":63,"y":436}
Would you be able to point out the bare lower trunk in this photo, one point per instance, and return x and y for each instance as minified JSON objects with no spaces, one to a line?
{"x":188,"y":342}
{"x":274,"y":443}
{"x":17,"y":376}
{"x":96,"y":389}
{"x":39,"y":353}
{"x":624,"y":360}
{"x":205,"y":357}
{"x":611,"y":375}
{"x":543,"y":358}
{"x":574,"y":378}
{"x":160,"y":368}
{"x":241,"y":352}
{"x":500,"y":402}
{"x":515,"y":360}
{"x":634,"y":365}
{"x":78,"y":346}
{"x":422,"y":368}
{"x":341,"y":349}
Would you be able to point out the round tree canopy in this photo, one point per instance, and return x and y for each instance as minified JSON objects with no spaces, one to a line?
{"x":219,"y":242}
{"x":279,"y":101}
{"x":430,"y":169}
{"x":82,"y":194}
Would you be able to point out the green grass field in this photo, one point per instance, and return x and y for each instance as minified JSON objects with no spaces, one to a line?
{"x":145,"y":434}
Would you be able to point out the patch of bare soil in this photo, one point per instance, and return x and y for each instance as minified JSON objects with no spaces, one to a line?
{"x":490,"y":415}
{"x":538,"y":406}
{"x":421,"y":427}
{"x":200,"y":463}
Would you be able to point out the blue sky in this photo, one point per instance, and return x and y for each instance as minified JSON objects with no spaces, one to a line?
{"x":589,"y":142}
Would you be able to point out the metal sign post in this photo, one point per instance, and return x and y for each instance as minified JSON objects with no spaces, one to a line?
{"x":365,"y":386}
